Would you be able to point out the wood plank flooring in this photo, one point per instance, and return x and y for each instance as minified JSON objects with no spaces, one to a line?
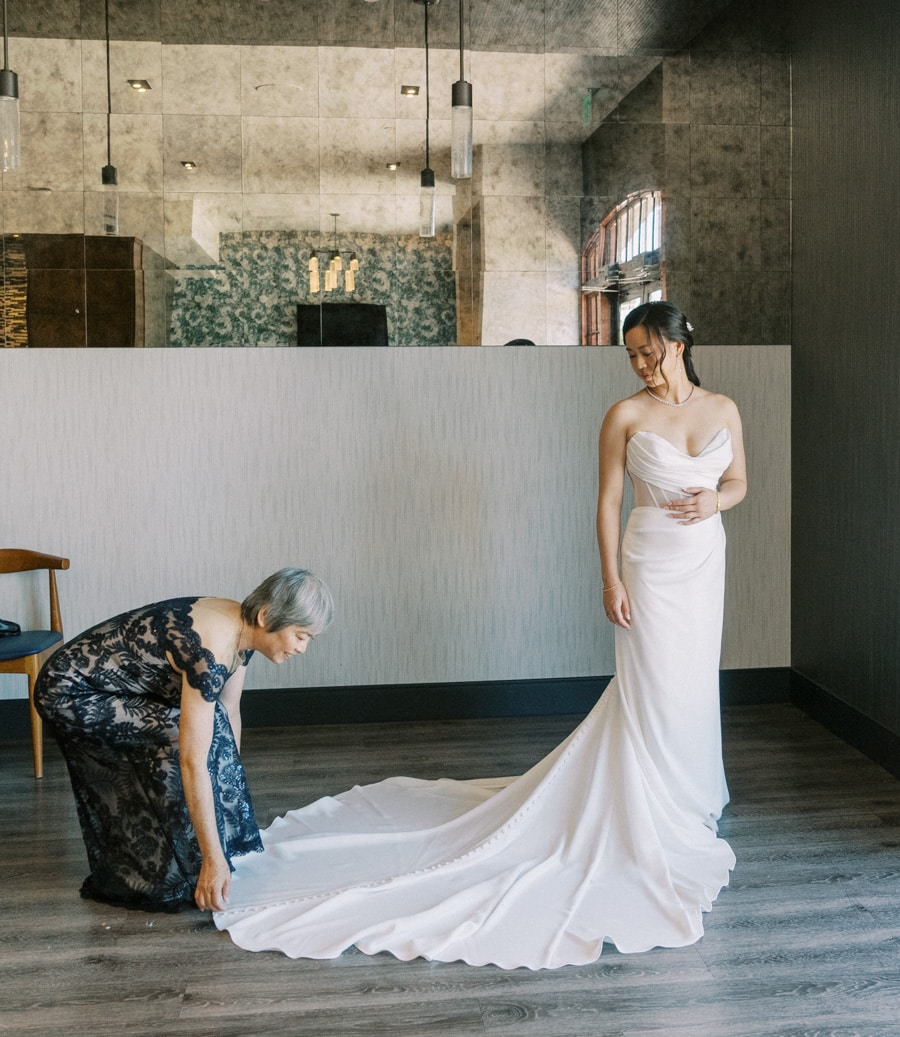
{"x":805,"y":942}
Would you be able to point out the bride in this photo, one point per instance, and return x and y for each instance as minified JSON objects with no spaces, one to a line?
{"x":612,"y":836}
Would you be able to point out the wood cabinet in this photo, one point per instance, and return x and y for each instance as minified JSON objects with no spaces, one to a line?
{"x":79,"y":290}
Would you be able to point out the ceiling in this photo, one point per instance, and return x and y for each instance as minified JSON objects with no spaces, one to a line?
{"x":604,"y":26}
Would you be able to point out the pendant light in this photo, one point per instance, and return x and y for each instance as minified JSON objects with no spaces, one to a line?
{"x":9,"y":108}
{"x":426,"y":203}
{"x":426,"y":187}
{"x":337,"y":268}
{"x":461,"y":116}
{"x":109,"y":175}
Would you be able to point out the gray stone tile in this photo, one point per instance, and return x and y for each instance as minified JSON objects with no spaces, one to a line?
{"x":775,"y":161}
{"x":724,"y":237}
{"x":725,"y":89}
{"x":724,"y":161}
{"x":775,"y":89}
{"x":775,"y":234}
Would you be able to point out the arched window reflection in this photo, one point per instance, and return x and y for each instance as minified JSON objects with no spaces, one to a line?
{"x":622,"y":266}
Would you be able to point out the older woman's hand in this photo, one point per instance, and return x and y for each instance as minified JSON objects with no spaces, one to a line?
{"x":213,"y":885}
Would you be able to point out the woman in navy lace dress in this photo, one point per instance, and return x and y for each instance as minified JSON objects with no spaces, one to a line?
{"x":146,"y":710}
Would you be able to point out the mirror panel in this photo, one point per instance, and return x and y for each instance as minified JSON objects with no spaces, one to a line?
{"x":290,"y":112}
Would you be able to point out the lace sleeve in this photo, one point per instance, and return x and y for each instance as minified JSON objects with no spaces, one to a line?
{"x":197,"y":663}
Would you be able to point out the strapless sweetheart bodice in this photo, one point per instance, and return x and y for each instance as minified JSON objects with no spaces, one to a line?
{"x":659,"y":471}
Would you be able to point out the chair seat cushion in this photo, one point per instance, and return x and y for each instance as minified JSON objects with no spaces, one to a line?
{"x":29,"y":642}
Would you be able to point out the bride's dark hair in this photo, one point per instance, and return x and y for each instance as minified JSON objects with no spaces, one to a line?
{"x":667,"y":322}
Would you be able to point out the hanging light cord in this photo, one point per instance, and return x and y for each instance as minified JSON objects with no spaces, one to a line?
{"x":108,"y":92}
{"x":462,"y":74}
{"x":5,"y":39}
{"x":427,"y":91}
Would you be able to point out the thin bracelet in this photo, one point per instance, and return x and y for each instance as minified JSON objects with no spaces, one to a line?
{"x":612,"y":586}
{"x":718,"y":501}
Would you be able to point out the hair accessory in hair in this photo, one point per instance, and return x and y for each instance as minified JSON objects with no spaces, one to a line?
{"x":689,"y":326}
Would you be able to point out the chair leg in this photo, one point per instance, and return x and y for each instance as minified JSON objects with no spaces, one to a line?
{"x":37,"y":732}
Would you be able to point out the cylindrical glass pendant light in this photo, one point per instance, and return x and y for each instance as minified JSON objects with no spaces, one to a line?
{"x":9,"y":120}
{"x":350,"y":276}
{"x":426,"y":204}
{"x":461,"y":131}
{"x":461,"y":116}
{"x":110,"y":179}
{"x":10,"y":141}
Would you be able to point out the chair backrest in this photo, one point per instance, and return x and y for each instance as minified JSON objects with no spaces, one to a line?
{"x":15,"y":560}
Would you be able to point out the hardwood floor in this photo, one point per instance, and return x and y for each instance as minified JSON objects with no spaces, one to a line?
{"x":803,"y":943}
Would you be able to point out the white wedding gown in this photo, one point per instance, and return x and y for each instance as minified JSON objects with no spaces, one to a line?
{"x":611,"y":837}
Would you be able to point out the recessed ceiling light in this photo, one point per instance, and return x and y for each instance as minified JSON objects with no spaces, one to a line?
{"x":141,"y":85}
{"x":393,"y":165}
{"x":409,"y":91}
{"x":189,"y":165}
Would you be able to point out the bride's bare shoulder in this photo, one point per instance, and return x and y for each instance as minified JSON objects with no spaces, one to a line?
{"x":722,"y":408}
{"x":628,"y":407}
{"x":623,"y":417}
{"x":721,"y":402}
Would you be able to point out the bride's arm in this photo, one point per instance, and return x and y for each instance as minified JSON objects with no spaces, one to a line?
{"x":609,"y":514}
{"x":733,"y":484}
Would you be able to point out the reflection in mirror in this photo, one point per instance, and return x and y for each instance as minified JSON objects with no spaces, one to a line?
{"x":238,"y":128}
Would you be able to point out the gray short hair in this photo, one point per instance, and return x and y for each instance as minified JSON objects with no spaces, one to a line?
{"x":293,"y":597}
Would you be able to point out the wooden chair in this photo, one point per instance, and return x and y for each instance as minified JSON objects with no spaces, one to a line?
{"x":27,"y":652}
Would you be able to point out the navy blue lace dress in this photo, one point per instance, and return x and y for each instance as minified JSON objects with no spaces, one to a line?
{"x":113,"y":703}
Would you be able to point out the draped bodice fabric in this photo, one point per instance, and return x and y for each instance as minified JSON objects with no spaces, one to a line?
{"x":660,"y":471}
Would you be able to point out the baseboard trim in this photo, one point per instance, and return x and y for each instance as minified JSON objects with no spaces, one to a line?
{"x":459,"y":700}
{"x":465,"y":700}
{"x":851,"y":726}
{"x":761,"y":686}
{"x":389,"y":703}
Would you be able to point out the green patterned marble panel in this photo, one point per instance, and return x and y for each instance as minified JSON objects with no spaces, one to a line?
{"x":250,"y":298}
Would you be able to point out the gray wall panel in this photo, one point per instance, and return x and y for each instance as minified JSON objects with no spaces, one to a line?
{"x":447,"y":496}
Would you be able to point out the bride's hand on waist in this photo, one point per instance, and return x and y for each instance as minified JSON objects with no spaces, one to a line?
{"x":616,"y":605}
{"x":701,"y":503}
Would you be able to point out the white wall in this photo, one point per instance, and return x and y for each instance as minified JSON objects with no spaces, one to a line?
{"x":446,"y":495}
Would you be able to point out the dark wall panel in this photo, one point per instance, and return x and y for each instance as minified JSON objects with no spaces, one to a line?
{"x":846,"y":352}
